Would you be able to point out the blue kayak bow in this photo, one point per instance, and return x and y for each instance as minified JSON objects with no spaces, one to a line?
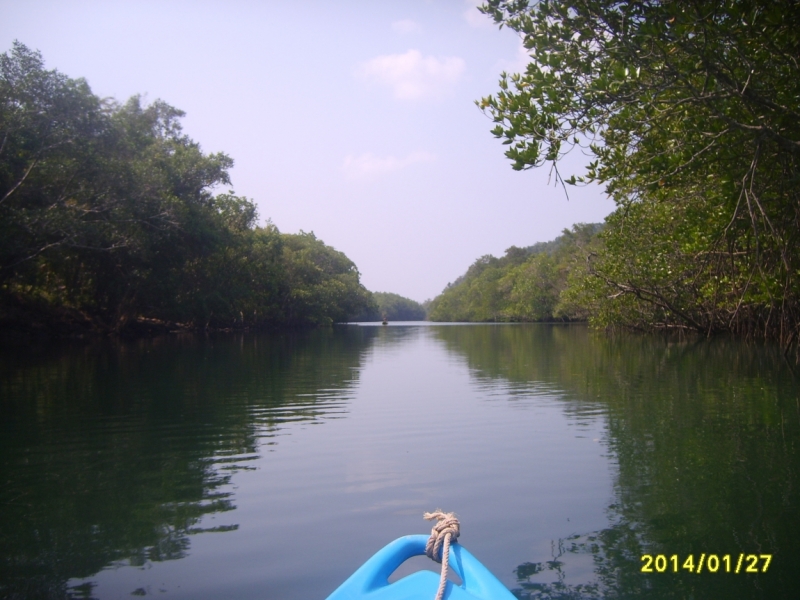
{"x":371,"y":580}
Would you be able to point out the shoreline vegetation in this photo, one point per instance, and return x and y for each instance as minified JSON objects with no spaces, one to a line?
{"x":391,"y":307}
{"x":109,"y":224}
{"x":529,"y":284}
{"x":690,"y":114}
{"x":110,"y":221}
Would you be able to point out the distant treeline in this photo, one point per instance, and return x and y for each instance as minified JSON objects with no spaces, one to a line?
{"x":108,"y":221}
{"x":527,"y":284}
{"x":392,"y":307}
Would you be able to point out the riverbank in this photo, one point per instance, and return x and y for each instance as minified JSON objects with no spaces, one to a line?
{"x":20,"y":323}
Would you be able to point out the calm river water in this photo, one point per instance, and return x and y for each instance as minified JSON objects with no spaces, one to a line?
{"x":272,"y":466}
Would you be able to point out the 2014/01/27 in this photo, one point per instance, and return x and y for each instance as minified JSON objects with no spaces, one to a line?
{"x":711,"y":563}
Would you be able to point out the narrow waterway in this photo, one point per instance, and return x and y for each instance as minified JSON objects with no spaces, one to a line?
{"x":272,"y":466}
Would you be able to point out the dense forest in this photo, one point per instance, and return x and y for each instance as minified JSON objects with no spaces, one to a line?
{"x":392,"y":307}
{"x":691,"y":114}
{"x":527,"y":284}
{"x":109,"y":222}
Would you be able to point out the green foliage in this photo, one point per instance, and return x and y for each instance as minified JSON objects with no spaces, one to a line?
{"x":535,"y":288}
{"x":392,"y":307}
{"x":692,"y":114}
{"x":107,"y":214}
{"x":323,"y":284}
{"x":527,"y":284}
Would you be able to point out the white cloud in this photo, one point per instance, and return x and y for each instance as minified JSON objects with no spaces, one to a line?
{"x":368,"y":165}
{"x":412,"y":76}
{"x":406,"y":26}
{"x":474,"y":17}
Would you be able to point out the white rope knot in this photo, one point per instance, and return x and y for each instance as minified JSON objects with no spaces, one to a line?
{"x":447,"y":524}
{"x":444,"y":532}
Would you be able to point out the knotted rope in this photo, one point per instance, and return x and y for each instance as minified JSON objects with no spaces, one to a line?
{"x":444,"y":532}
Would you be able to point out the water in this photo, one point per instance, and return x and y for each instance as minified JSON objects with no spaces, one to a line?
{"x":256,"y":466}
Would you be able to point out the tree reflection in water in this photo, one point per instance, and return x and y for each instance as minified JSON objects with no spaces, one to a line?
{"x":113,"y":453}
{"x":705,"y":440}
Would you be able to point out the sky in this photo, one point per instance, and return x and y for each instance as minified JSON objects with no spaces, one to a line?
{"x":352,"y":119}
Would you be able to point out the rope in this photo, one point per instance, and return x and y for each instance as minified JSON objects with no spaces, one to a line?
{"x":446,"y":530}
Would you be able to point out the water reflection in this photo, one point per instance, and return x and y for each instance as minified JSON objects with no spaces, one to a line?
{"x":568,"y":454}
{"x":705,"y":437}
{"x":112,"y":453}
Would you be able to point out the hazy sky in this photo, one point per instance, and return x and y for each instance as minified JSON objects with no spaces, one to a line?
{"x":351,"y":119}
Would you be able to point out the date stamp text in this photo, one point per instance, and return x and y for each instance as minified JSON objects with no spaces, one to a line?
{"x":706,"y":563}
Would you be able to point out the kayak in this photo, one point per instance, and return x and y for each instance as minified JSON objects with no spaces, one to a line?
{"x":371,"y":580}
